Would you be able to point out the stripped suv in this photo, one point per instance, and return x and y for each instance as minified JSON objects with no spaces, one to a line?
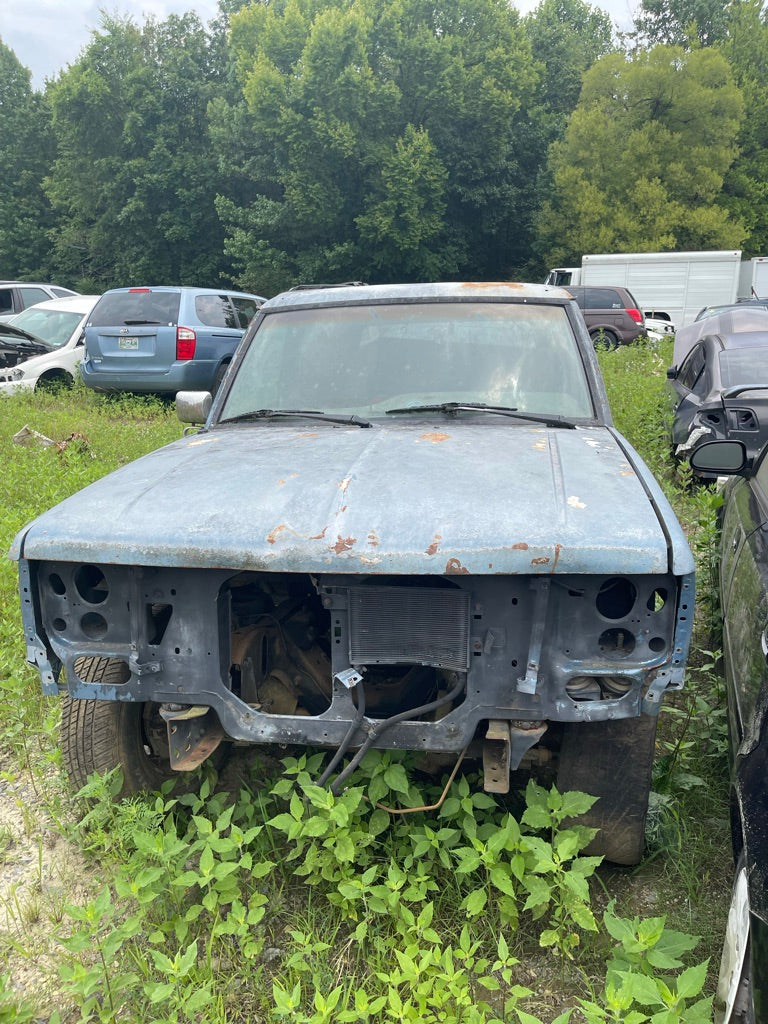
{"x":399,"y":532}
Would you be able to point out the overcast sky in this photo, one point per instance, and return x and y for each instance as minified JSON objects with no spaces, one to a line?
{"x":47,"y":35}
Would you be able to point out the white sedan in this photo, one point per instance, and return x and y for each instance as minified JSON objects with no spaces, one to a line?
{"x":49,"y":347}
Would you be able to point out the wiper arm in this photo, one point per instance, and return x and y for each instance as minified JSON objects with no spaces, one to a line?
{"x":313,"y":414}
{"x":451,"y":408}
{"x":142,"y":323}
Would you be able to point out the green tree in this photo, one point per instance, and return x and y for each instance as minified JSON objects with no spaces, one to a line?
{"x":746,"y":183}
{"x":383,"y":140}
{"x":26,"y":151}
{"x":681,"y":22}
{"x":642,"y":164}
{"x":135,"y":177}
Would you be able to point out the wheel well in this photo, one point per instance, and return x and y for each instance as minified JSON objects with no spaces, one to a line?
{"x":57,"y":376}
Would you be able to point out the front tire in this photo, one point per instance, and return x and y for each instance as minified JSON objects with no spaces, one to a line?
{"x":612,"y":761}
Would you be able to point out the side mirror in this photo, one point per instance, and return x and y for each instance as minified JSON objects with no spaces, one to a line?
{"x":725,"y":458}
{"x":193,"y":406}
{"x":672,"y":373}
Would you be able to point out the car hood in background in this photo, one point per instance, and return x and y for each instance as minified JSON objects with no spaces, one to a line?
{"x":398,"y":498}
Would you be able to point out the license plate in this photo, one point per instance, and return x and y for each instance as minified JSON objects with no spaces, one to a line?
{"x":130,"y":343}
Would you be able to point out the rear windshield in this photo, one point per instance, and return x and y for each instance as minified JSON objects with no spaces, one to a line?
{"x":368,"y":359}
{"x":743,"y":366}
{"x":142,"y":306}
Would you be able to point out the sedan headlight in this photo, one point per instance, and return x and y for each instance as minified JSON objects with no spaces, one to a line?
{"x":17,"y":373}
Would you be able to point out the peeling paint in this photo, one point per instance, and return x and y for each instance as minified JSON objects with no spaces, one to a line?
{"x":344,"y":544}
{"x":373,"y":539}
{"x":576,"y":502}
{"x":273,"y":534}
{"x":540,"y":561}
{"x":319,"y":536}
{"x":434,"y":437}
{"x":344,"y":484}
{"x":455,"y":568}
{"x":520,"y":546}
{"x":558,"y":549}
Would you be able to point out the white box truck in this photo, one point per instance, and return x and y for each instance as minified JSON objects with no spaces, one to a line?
{"x":672,"y":286}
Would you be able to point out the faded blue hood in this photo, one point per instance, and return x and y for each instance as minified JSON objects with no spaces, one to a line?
{"x":396,"y":498}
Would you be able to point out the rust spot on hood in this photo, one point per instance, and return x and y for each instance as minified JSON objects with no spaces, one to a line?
{"x":344,"y":485}
{"x":320,"y":536}
{"x":373,"y":540}
{"x":558,"y":549}
{"x":539,"y":561}
{"x":520,"y":546}
{"x":454,"y":567}
{"x":273,"y":534}
{"x":434,"y":437}
{"x":343,"y":544}
{"x":433,"y":547}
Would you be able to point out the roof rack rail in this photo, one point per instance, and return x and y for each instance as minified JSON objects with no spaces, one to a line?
{"x":340,"y":284}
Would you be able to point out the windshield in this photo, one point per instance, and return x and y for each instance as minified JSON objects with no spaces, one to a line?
{"x":52,"y":325}
{"x":368,"y":359}
{"x":744,"y":366}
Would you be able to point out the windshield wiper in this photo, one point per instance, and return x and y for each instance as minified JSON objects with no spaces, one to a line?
{"x":313,"y":414}
{"x":451,"y":408}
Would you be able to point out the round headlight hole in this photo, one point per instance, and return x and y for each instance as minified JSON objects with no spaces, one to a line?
{"x":94,"y":626}
{"x":617,"y":641}
{"x":91,"y":584}
{"x":616,"y":598}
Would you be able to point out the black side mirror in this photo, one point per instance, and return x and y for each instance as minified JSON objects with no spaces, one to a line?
{"x":672,"y":373}
{"x":725,"y":458}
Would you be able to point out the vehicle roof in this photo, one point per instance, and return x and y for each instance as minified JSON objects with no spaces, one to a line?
{"x":183,"y":288}
{"x":74,"y":303}
{"x":468,"y":290}
{"x":40,"y":284}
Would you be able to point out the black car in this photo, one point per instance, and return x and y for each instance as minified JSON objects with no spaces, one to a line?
{"x":720,"y":390}
{"x":742,"y":996}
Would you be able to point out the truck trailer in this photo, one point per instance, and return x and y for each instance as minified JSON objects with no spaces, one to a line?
{"x":672,"y":286}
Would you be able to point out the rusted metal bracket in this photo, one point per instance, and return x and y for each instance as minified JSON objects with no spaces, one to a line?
{"x":194,"y":732}
{"x":496,"y":751}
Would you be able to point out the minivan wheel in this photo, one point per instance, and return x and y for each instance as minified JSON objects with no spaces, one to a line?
{"x":611,"y":760}
{"x":604,"y":339}
{"x":220,"y":375}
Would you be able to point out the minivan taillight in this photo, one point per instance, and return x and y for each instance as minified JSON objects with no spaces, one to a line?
{"x":186,"y":339}
{"x":636,"y":315}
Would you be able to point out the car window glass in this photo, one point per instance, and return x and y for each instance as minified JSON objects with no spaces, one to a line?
{"x":62,"y":292}
{"x":215,"y":311}
{"x":692,"y":367}
{"x":246,"y":309}
{"x":29,"y":296}
{"x":115,"y":309}
{"x":761,"y":476}
{"x":6,"y":300}
{"x":744,"y":366}
{"x":52,"y":325}
{"x":367,"y":359}
{"x":602,"y":298}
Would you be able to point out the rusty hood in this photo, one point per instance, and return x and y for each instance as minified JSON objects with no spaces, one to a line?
{"x":397,"y":498}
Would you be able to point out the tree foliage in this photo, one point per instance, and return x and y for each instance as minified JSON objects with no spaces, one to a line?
{"x":385,"y":138}
{"x":746,"y":184}
{"x":641,"y":166}
{"x":686,"y":23}
{"x":26,"y":152}
{"x":134,"y":179}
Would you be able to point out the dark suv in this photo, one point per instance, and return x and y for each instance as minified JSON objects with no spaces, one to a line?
{"x":164,"y":339}
{"x":612,"y":315}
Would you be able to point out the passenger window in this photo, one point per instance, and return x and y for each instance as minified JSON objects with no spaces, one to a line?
{"x":30,"y":296}
{"x":246,"y":309}
{"x":691,"y":369}
{"x":6,"y":300}
{"x":215,"y":311}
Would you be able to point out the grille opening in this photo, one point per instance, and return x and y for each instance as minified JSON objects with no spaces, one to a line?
{"x":657,"y":600}
{"x":57,"y":584}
